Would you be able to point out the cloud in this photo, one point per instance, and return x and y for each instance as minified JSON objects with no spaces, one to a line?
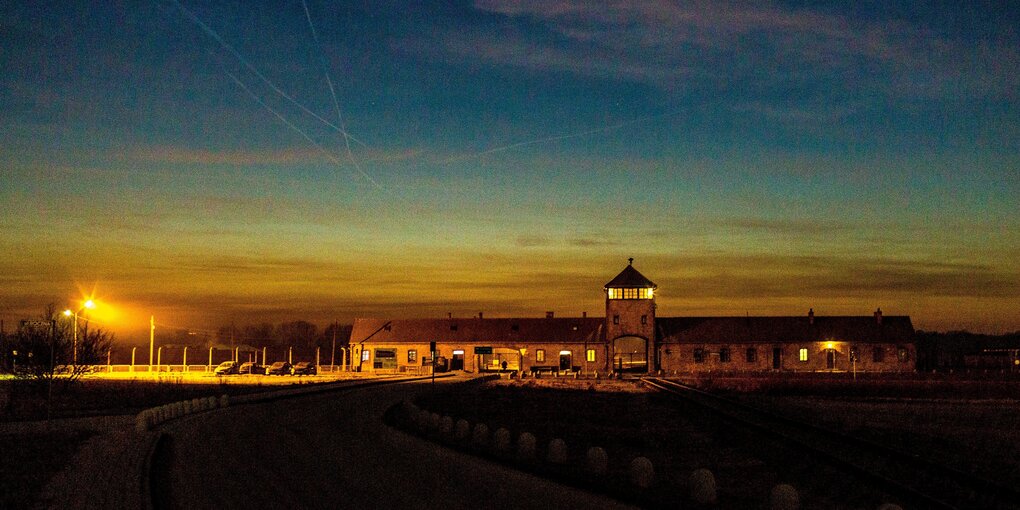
{"x":786,"y":226}
{"x":532,"y":241}
{"x":178,"y":155}
{"x":723,"y":44}
{"x":765,"y":276}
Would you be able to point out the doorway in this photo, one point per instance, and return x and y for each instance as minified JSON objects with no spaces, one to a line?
{"x":777,"y":358}
{"x":830,"y":359}
{"x":457,"y":363}
{"x":630,"y":354}
{"x":565,"y":360}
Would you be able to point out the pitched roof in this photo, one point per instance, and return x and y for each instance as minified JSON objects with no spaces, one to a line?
{"x":474,"y":331}
{"x":630,"y":278}
{"x":864,"y":329}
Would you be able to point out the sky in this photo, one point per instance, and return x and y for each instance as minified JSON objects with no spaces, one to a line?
{"x":210,"y":163}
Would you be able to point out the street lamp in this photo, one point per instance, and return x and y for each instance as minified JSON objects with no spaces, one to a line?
{"x":89,"y":304}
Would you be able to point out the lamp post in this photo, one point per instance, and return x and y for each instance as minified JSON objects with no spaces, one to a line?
{"x":89,"y":304}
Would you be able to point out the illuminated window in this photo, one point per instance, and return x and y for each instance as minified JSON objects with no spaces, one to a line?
{"x":751,"y":355}
{"x":590,"y":354}
{"x":364,"y":355}
{"x":878,"y":355}
{"x":803,"y":354}
{"x":540,"y":355}
{"x":699,"y":355}
{"x":902,"y":354}
{"x":724,"y":355}
{"x":631,"y":293}
{"x":412,"y":355}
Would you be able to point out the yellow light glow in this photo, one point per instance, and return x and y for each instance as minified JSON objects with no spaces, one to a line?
{"x":90,"y":304}
{"x":650,"y":293}
{"x":68,"y":313}
{"x":829,"y":345}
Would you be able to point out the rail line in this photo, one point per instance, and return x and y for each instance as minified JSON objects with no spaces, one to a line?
{"x":919,"y":482}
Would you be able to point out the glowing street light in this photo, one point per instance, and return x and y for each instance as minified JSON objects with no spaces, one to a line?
{"x":87,"y":305}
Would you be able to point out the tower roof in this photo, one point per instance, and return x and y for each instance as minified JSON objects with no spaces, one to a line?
{"x":631,"y":278}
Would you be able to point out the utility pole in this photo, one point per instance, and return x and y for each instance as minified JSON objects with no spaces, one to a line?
{"x":332,"y":352}
{"x":152,"y":338}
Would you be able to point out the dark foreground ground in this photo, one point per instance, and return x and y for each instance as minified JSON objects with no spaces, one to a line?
{"x":29,"y":458}
{"x":951,"y":426}
{"x":972,"y":425}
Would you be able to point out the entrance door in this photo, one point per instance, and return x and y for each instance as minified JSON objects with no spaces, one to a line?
{"x":630,"y":354}
{"x":457,"y":363}
{"x":777,"y":358}
{"x":565,"y":360}
{"x":830,"y":359}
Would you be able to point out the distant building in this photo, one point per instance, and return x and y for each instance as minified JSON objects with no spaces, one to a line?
{"x":630,"y":338}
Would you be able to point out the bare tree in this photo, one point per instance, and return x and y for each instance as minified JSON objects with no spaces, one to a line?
{"x":45,"y":349}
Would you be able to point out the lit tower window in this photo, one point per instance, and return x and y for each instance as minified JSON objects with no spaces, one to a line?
{"x":630,"y":284}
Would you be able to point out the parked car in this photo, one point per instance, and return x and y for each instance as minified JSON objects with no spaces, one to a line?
{"x":250,"y":367}
{"x":226,"y":368}
{"x":279,"y":368}
{"x":304,"y":368}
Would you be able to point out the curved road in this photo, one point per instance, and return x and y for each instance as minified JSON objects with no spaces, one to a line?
{"x":331,"y":450}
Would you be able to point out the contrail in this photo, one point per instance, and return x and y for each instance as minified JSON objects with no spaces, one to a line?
{"x":212,"y":33}
{"x":558,"y":137}
{"x":332,"y":91}
{"x":289,"y":124}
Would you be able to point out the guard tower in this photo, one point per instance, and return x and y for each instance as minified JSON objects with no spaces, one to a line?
{"x":630,"y":319}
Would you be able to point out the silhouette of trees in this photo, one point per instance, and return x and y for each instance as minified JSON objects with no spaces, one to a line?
{"x":43,"y":349}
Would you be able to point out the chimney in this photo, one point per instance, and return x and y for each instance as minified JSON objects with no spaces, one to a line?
{"x":548,"y":315}
{"x":811,"y":316}
{"x":449,"y":315}
{"x":878,"y":316}
{"x":584,"y":315}
{"x":479,"y":315}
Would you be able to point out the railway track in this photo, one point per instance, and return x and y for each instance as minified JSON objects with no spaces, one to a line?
{"x":916,"y":481}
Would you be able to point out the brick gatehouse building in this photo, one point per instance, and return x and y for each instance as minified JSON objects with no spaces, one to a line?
{"x":631,"y":338}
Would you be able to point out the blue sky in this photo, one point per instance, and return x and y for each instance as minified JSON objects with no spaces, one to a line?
{"x":184,"y":158}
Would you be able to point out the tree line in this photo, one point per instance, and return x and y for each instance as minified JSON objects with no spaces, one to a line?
{"x":49,"y":346}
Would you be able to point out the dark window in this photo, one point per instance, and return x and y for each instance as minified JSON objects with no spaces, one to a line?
{"x":453,"y":327}
{"x":699,"y":355}
{"x":644,"y":319}
{"x":724,"y":355}
{"x":514,"y":327}
{"x":878,"y":355}
{"x":616,"y":319}
{"x":752,"y":355}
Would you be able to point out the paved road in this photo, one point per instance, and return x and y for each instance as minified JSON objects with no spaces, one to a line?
{"x":332,"y":451}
